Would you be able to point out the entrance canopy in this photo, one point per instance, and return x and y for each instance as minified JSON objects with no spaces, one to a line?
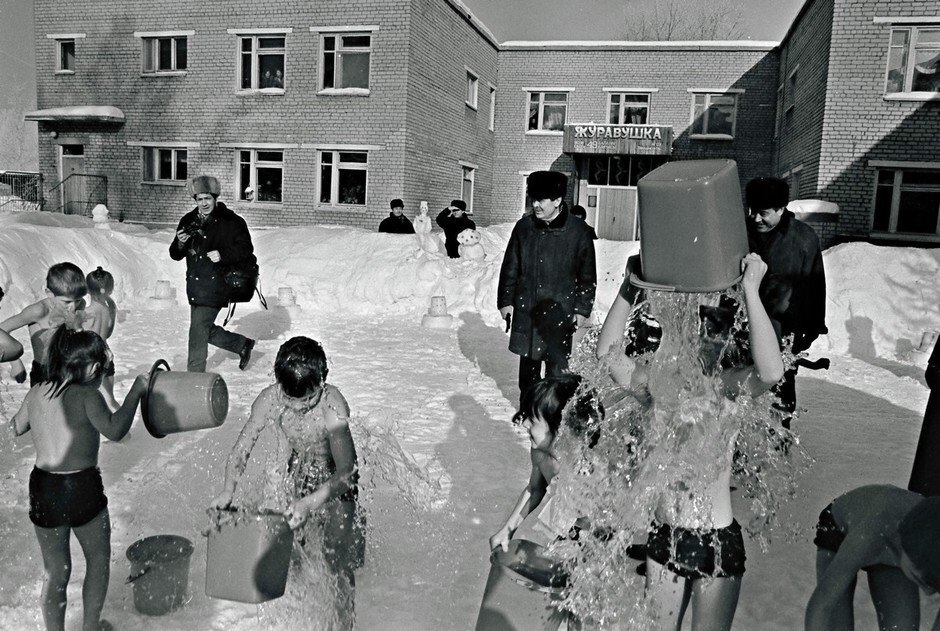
{"x":78,"y":113}
{"x":596,"y":138}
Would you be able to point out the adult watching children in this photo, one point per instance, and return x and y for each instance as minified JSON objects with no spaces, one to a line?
{"x":396,"y":222}
{"x":212,"y":239}
{"x":453,"y":220}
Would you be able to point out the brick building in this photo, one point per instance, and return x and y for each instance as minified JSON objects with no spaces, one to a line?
{"x":313,"y":113}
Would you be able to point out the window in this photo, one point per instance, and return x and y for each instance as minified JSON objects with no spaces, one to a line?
{"x":473,"y":88}
{"x":913,"y":60}
{"x":164,"y":54}
{"x":907,"y":201}
{"x":260,"y":175}
{"x":628,"y":109}
{"x":492,"y":126}
{"x":261,"y":65}
{"x":621,"y":170}
{"x":778,"y":114}
{"x":790,"y":99}
{"x":165,"y":164}
{"x":795,"y":182}
{"x":466,"y":188}
{"x":346,"y":59}
{"x":343,"y":176}
{"x":66,"y":57}
{"x":547,"y":111}
{"x":713,"y":115}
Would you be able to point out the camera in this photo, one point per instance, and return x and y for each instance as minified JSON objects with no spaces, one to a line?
{"x":193,"y":229}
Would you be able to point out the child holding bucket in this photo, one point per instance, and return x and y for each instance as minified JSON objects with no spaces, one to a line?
{"x":321,"y":472}
{"x":68,"y":415}
{"x":100,"y":314}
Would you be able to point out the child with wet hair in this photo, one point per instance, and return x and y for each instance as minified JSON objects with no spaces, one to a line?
{"x":63,"y":305}
{"x":321,"y":473}
{"x":542,"y":413}
{"x":100,"y":315}
{"x":67,"y":416}
{"x":890,"y":533}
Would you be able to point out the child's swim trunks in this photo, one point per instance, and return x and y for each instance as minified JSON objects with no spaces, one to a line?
{"x":693,"y":553}
{"x":65,"y":499}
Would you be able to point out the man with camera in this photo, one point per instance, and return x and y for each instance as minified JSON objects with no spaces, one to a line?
{"x":212,"y":239}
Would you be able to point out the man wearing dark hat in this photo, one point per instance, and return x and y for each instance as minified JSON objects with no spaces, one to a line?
{"x":547,"y":280}
{"x":211,"y":238}
{"x":454,"y":220}
{"x":396,"y":222}
{"x":794,"y":289}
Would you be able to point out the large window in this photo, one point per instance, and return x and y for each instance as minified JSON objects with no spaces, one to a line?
{"x":164,"y":54}
{"x":343,"y":177}
{"x":913,"y":60}
{"x":628,"y":109}
{"x":907,"y":201}
{"x":713,"y":114}
{"x":345,"y":61}
{"x":261,"y":64}
{"x":466,"y":187}
{"x":165,"y":164}
{"x":260,"y":175}
{"x":547,"y":111}
{"x":621,"y":170}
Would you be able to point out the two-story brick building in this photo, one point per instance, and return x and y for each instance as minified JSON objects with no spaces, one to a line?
{"x":322,"y":112}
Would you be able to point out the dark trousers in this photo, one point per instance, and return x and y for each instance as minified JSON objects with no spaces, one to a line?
{"x":204,"y":331}
{"x":530,"y":371}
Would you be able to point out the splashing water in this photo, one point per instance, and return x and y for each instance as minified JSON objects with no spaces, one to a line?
{"x":664,"y":455}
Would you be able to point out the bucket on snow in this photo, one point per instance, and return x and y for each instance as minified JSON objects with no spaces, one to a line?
{"x":183,"y":401}
{"x":522,"y":590}
{"x":693,"y":228}
{"x":159,"y":573}
{"x":248,"y":557}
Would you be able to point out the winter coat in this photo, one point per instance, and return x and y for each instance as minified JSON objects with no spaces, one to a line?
{"x":396,"y":225}
{"x":548,"y":275}
{"x":223,"y":231}
{"x":794,"y":289}
{"x":453,"y":226}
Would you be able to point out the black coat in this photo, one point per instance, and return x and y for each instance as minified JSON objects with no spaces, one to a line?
{"x":396,"y":225}
{"x":453,"y":226}
{"x":224,"y":231}
{"x":548,"y":275}
{"x":794,"y":289}
{"x":925,"y":472}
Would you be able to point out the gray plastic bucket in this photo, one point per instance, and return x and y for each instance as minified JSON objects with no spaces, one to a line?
{"x":183,"y":401}
{"x":159,"y":573}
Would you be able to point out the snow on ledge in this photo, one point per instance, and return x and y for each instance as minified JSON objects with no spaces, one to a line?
{"x":86,"y":113}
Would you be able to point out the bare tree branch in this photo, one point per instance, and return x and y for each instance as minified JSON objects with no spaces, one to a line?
{"x":670,"y":20}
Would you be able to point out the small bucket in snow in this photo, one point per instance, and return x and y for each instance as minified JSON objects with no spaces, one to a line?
{"x":159,"y":573}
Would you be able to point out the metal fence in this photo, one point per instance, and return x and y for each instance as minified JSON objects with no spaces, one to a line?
{"x":78,"y":194}
{"x":20,"y":190}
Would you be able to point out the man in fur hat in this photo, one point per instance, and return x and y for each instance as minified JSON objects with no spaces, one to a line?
{"x":211,"y":238}
{"x":453,"y":220}
{"x":794,"y":289}
{"x":547,"y":280}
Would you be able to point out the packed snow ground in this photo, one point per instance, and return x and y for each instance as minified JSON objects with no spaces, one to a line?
{"x":431,"y":411}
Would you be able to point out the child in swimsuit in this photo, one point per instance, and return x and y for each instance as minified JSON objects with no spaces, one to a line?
{"x":10,"y":349}
{"x":65,"y":286}
{"x":100,"y":314}
{"x":68,"y":416}
{"x":893,"y":535}
{"x":695,"y":548}
{"x":320,"y":475}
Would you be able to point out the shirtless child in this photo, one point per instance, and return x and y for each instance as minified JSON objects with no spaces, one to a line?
{"x":10,"y":349}
{"x":68,"y":416}
{"x":100,"y":315}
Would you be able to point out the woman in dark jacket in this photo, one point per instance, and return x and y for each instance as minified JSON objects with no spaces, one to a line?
{"x":211,"y":238}
{"x":454,"y":220}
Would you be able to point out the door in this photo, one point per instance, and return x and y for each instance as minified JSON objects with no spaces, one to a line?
{"x":616,"y":214}
{"x":72,"y":164}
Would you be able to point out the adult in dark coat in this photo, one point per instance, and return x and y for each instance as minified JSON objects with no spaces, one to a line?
{"x":396,"y":222}
{"x":454,"y":220}
{"x":925,"y":474}
{"x":794,"y":289}
{"x":212,"y":239}
{"x":547,"y":280}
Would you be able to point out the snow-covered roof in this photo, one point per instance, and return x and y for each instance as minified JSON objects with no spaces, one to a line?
{"x":812,"y":206}
{"x":643,"y":45}
{"x":81,"y":113}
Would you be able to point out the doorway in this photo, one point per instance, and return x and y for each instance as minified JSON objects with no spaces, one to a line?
{"x":616,"y":214}
{"x":72,"y":167}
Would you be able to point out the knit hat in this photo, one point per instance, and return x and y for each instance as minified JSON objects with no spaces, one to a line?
{"x":546,"y":184}
{"x":204,"y":184}
{"x":396,"y":203}
{"x":459,"y":203}
{"x":762,"y":193}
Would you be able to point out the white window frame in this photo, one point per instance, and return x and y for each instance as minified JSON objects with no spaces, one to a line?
{"x":492,"y":122}
{"x":467,"y":174}
{"x":708,"y":93}
{"x":255,"y":164}
{"x":255,"y":35}
{"x":622,"y":92}
{"x":899,"y":168}
{"x":60,"y":39}
{"x":912,"y":30}
{"x":789,"y":96}
{"x":154,"y":152}
{"x":336,"y":165}
{"x":541,"y":92}
{"x":473,"y":89}
{"x":338,"y":33}
{"x":150,"y":52}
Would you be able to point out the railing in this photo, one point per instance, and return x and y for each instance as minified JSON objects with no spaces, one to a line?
{"x":79,"y":193}
{"x":20,"y":190}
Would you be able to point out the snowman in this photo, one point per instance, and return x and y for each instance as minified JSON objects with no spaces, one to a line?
{"x":470,"y":246}
{"x":422,"y":224}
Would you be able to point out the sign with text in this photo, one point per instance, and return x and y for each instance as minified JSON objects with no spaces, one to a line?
{"x":618,"y":139}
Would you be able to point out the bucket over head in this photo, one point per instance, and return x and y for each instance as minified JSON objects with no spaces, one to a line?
{"x":159,"y":573}
{"x":693,"y":231}
{"x":183,"y":401}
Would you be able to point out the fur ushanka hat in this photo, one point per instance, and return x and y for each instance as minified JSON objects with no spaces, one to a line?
{"x":204,"y":184}
{"x":546,"y":184}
